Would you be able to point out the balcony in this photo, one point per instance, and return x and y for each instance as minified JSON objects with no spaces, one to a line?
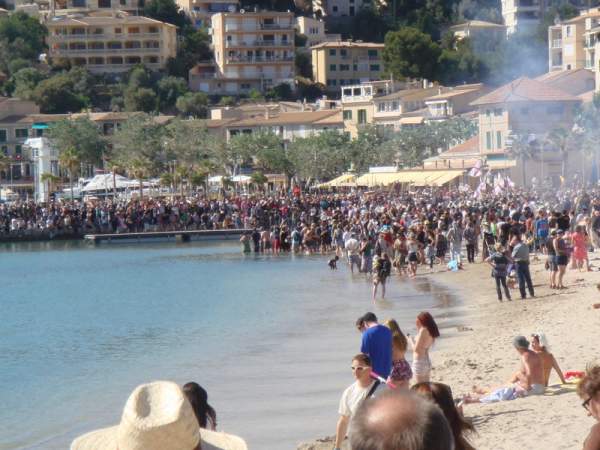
{"x":258,"y":59}
{"x":275,"y":26}
{"x":231,"y":44}
{"x":589,"y":42}
{"x":86,"y":37}
{"x":79,"y":51}
{"x":556,"y":43}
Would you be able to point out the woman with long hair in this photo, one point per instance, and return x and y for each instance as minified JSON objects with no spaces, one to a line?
{"x":441,"y":394}
{"x":427,"y":333}
{"x":198,"y":397}
{"x":401,"y":370}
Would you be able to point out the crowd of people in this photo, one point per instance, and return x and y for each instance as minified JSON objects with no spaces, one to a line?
{"x":393,"y":403}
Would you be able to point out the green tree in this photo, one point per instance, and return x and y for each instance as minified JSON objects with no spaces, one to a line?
{"x":70,"y":161}
{"x":193,"y":47}
{"x":524,"y":147}
{"x":139,"y":168}
{"x":560,"y":140}
{"x":23,"y":37}
{"x":140,"y":142}
{"x":193,"y":104}
{"x":369,"y":25}
{"x":141,"y":99}
{"x":186,"y":141}
{"x":25,"y":82}
{"x":255,"y":95}
{"x":259,"y":179}
{"x":56,"y":96}
{"x":309,"y":90}
{"x":303,"y":65}
{"x":282,"y":91}
{"x":263,"y":149}
{"x":166,"y":11}
{"x":227,"y":101}
{"x":410,"y":53}
{"x":459,"y":64}
{"x":50,"y":180}
{"x":169,"y":90}
{"x":82,"y":136}
{"x":320,"y":157}
{"x":5,"y":163}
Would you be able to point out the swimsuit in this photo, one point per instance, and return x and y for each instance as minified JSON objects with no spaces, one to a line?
{"x":421,"y":367}
{"x":401,"y":370}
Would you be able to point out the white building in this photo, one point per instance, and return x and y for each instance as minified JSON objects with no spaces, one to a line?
{"x":522,"y":15}
{"x":44,"y":159}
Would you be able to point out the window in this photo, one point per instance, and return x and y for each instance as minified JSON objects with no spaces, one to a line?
{"x":497,"y":111}
{"x":498,"y":139}
{"x":344,"y":67}
{"x":568,"y":30}
{"x":556,"y":109}
{"x":381,"y":107}
{"x":374,"y":67}
{"x":347,"y":91}
{"x":245,"y":85}
{"x":332,"y":67}
{"x":118,"y":30}
{"x":356,"y":91}
{"x":488,"y":112}
{"x":347,"y":115}
{"x":355,"y":67}
{"x":332,"y":52}
{"x":5,"y":150}
{"x":21,"y":133}
{"x":362,"y":116}
{"x":395,"y":106}
{"x":335,"y":9}
{"x":18,"y":150}
{"x":372,"y":53}
{"x":152,"y":30}
{"x":488,"y":140}
{"x":524,"y":111}
{"x":331,"y":82}
{"x":343,"y":82}
{"x":2,"y":135}
{"x":343,"y":52}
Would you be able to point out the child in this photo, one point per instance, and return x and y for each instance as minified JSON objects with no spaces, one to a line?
{"x":333,"y":262}
{"x":430,"y":253}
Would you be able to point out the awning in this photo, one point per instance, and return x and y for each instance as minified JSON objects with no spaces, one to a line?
{"x":414,"y":177}
{"x":40,"y":126}
{"x":500,"y":164}
{"x":346,"y":179}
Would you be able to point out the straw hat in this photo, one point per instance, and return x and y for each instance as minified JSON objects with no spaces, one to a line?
{"x":157,"y":416}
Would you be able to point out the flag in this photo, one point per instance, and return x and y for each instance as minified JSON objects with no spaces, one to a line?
{"x":476,"y":170}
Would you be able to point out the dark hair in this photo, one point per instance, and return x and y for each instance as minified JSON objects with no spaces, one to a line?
{"x":427,"y":321}
{"x":399,"y":420}
{"x":363,"y":359}
{"x":441,"y":394}
{"x":369,"y":317}
{"x":198,"y":397}
{"x":590,"y":384}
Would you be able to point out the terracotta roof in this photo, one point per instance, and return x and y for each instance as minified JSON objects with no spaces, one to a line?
{"x":453,"y":92}
{"x":587,"y":97}
{"x":524,"y":90}
{"x":95,"y":116}
{"x":97,"y":20}
{"x":468,"y":147}
{"x":288,"y":118}
{"x":583,"y":17}
{"x":347,"y":44}
{"x":408,"y":94}
{"x":477,"y":24}
{"x":561,"y":74}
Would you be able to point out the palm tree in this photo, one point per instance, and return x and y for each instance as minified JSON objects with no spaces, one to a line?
{"x":259,"y":179}
{"x":139,"y":168}
{"x":182,"y":172}
{"x":50,"y":179}
{"x":70,"y":160}
{"x":199,"y":177}
{"x":524,"y":147}
{"x":114,"y":168}
{"x":560,"y":139}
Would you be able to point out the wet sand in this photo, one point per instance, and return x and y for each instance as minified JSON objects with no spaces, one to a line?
{"x":482,"y":354}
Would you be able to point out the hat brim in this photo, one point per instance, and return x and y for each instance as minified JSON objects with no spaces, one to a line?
{"x":106,"y":439}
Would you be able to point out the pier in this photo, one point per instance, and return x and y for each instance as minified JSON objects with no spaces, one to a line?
{"x":162,"y":236}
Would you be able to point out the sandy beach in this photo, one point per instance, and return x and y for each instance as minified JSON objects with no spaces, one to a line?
{"x":481,"y":354}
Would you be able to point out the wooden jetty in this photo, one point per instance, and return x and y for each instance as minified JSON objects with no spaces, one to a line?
{"x":166,"y":236}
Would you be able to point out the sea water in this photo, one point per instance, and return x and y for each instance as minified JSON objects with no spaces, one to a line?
{"x":270,"y":337}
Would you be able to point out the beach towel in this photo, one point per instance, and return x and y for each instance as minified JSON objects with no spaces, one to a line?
{"x":499,"y":395}
{"x":453,"y":265}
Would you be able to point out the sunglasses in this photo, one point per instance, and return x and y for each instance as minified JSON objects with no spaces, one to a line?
{"x":586,"y":404}
{"x":358,"y":369}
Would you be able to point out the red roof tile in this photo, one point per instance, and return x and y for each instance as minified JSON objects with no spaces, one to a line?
{"x":524,"y":90}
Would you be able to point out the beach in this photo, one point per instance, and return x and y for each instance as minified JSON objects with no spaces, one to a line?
{"x":480,"y":352}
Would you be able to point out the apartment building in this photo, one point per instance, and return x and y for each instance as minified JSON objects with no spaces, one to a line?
{"x":252,"y":50}
{"x":522,"y":15}
{"x":343,"y":63}
{"x":454,"y":101}
{"x":524,"y":107}
{"x":339,"y":8}
{"x":201,"y":11}
{"x":314,"y":30}
{"x":111,"y":42}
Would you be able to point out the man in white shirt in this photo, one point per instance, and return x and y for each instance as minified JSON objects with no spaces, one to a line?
{"x":363,"y":388}
{"x":352,"y":246}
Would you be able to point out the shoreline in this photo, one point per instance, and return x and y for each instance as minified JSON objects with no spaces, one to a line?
{"x":481,"y":354}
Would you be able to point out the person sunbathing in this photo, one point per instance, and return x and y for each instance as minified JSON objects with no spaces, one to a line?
{"x":528,"y":380}
{"x":539,"y":344}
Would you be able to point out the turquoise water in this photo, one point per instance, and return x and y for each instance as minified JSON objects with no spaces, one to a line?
{"x":269,"y":337}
